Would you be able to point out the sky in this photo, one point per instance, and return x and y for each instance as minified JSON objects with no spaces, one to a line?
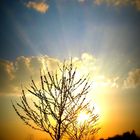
{"x":102,"y":37}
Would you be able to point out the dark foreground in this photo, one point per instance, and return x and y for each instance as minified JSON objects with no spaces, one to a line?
{"x":124,"y":136}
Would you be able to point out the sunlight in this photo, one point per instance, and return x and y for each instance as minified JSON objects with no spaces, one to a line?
{"x":82,"y":117}
{"x":96,"y":109}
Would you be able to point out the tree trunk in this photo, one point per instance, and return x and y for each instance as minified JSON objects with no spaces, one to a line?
{"x":58,"y":134}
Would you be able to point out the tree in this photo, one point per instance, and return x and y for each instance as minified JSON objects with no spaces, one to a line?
{"x":85,"y":126}
{"x":58,"y":102}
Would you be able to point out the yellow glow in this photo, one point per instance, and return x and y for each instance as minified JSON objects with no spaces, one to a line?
{"x":82,"y":117}
{"x":96,"y":109}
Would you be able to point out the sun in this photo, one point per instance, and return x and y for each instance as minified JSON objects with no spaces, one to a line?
{"x":82,"y":117}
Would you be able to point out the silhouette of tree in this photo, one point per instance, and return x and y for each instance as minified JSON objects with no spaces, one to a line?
{"x":85,"y":129}
{"x":58,"y":101}
{"x":124,"y":136}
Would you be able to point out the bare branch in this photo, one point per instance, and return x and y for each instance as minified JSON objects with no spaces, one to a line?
{"x":57,"y":103}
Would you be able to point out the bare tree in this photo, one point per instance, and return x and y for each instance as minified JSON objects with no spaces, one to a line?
{"x":58,"y":101}
{"x":86,"y":127}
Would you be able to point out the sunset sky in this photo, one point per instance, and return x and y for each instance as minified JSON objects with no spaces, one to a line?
{"x":102,"y":37}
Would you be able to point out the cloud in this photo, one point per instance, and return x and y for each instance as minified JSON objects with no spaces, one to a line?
{"x":133,"y":79}
{"x":135,"y":3}
{"x":40,"y":6}
{"x":81,"y":1}
{"x":112,"y":2}
{"x":13,"y":74}
{"x":20,"y":71}
{"x":6,"y":76}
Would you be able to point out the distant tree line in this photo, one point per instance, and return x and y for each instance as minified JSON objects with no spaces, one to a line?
{"x":124,"y":136}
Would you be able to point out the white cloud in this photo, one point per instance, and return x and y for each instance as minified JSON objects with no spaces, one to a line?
{"x":6,"y":75}
{"x":23,"y":68}
{"x":135,"y":3}
{"x":81,"y":1}
{"x":12,"y":74}
{"x":40,"y":6}
{"x":133,"y":79}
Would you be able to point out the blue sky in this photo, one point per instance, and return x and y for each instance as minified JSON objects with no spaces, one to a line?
{"x":68,"y":26}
